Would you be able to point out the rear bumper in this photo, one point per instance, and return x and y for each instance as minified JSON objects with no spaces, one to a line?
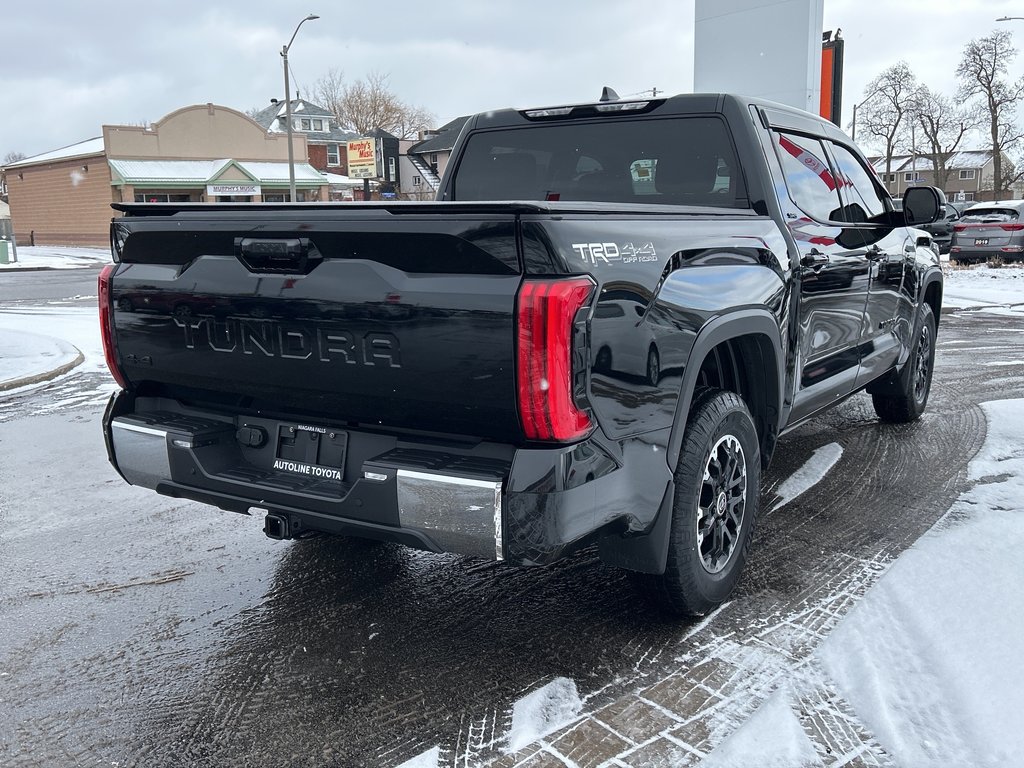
{"x":526,"y":506}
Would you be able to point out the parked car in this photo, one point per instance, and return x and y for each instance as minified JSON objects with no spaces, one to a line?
{"x":988,"y":231}
{"x":942,"y":230}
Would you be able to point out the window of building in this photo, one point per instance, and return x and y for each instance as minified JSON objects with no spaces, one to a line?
{"x":333,"y":158}
{"x":891,"y":178}
{"x":306,"y":124}
{"x":416,"y":181}
{"x":968,"y":196}
{"x":161,"y":197}
{"x":318,"y":124}
{"x":276,"y":197}
{"x":810,"y":180}
{"x":966,"y":174}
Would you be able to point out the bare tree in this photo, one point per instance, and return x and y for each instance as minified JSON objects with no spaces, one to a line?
{"x":13,"y":157}
{"x":887,"y":108}
{"x":983,"y":80}
{"x":365,"y":105}
{"x":944,"y":125}
{"x":329,"y":90}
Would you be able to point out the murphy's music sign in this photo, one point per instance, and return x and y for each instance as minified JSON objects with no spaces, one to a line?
{"x":362,"y":159}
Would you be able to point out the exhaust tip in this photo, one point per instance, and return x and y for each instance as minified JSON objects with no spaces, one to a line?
{"x":276,"y":527}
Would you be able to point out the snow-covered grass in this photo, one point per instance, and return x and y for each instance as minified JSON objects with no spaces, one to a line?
{"x":76,"y":325}
{"x":58,"y":257}
{"x":982,"y":286}
{"x":27,"y":354}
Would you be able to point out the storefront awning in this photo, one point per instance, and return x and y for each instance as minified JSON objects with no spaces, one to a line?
{"x":196,"y":173}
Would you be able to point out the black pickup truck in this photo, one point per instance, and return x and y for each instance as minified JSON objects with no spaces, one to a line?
{"x":596,"y":334}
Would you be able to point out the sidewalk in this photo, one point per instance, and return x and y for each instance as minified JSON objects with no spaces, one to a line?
{"x":28,"y":358}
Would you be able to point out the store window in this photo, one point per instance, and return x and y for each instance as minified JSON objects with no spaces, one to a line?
{"x":161,"y":197}
{"x":333,"y":157}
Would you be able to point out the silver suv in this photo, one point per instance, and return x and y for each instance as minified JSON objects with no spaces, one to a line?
{"x":987,"y":231}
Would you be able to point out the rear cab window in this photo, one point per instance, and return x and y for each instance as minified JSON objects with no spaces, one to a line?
{"x":670,"y":161}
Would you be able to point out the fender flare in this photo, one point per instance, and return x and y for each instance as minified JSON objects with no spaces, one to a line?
{"x":741,"y":322}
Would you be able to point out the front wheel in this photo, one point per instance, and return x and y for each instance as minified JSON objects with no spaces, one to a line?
{"x":717,"y":486}
{"x":905,"y":399}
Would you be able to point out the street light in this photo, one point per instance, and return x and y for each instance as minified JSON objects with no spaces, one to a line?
{"x":288,"y":108}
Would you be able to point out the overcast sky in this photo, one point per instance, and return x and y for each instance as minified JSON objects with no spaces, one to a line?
{"x":66,"y":68}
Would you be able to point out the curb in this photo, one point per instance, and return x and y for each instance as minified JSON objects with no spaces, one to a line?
{"x":37,"y":378}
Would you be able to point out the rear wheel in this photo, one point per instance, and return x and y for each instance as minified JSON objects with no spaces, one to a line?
{"x":717,"y":484}
{"x":904,"y":400}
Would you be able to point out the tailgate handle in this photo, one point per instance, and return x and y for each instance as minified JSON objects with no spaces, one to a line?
{"x":284,"y":254}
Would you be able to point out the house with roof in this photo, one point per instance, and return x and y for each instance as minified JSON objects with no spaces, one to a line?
{"x":424,"y":160}
{"x":201,"y":153}
{"x":969,"y":179}
{"x":325,"y":140}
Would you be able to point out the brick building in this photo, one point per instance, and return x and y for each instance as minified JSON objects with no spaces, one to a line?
{"x":201,"y":153}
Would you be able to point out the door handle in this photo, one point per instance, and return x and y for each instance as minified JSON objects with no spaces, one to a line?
{"x":814,"y":259}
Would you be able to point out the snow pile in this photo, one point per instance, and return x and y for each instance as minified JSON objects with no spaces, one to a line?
{"x":809,"y":475}
{"x":58,"y":257}
{"x":984,"y":287}
{"x":544,"y":711}
{"x":24,"y":354}
{"x":930,"y":660}
{"x":771,"y":738}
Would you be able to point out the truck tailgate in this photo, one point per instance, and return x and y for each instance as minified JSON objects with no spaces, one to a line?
{"x":408,"y":325}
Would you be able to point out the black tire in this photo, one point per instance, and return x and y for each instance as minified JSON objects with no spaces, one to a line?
{"x":653,"y":371}
{"x":700,"y":575}
{"x":904,"y":399}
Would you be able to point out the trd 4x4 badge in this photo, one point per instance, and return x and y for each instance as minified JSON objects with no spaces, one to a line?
{"x":606,"y":253}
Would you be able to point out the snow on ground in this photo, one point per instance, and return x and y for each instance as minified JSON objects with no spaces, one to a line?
{"x":58,"y":257}
{"x":25,"y":354}
{"x":809,"y":475}
{"x":428,"y":759}
{"x":930,"y":660}
{"x":76,"y":325}
{"x":771,"y":738}
{"x":543,"y":711}
{"x":984,"y":287}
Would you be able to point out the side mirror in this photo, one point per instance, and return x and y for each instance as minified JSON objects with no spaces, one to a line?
{"x":922,"y":205}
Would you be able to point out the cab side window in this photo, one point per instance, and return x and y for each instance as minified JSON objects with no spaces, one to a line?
{"x":864,"y":201}
{"x":809,"y":178}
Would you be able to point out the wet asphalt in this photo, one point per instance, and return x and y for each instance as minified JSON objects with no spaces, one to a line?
{"x":140,"y":630}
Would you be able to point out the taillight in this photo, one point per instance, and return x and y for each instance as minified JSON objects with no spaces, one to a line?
{"x":959,"y":227}
{"x":1012,"y":227}
{"x":544,"y":370}
{"x":107,"y":326}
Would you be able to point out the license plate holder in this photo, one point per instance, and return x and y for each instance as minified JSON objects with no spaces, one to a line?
{"x":311,"y":450}
{"x":981,"y":241}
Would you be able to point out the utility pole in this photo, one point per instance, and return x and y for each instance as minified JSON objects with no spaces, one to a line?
{"x":288,"y":109}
